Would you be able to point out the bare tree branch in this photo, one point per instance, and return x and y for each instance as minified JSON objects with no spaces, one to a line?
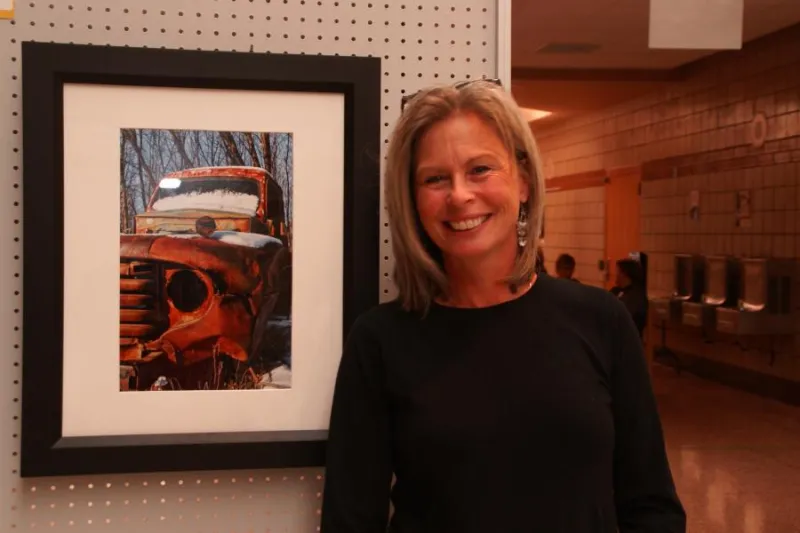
{"x":132,"y":137}
{"x":251,"y":148}
{"x":232,"y":151}
{"x":266,"y":149}
{"x":179,"y":140}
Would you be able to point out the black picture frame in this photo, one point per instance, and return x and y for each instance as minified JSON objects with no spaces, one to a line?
{"x":46,"y":67}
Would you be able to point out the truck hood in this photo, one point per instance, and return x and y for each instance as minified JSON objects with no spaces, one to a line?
{"x":233,"y":256}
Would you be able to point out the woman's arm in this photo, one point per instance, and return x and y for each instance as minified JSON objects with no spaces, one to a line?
{"x":646,"y":499}
{"x":358,"y":464}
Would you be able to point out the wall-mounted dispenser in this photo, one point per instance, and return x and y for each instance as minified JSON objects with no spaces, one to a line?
{"x":689,"y":277}
{"x":687,"y":285}
{"x":766,"y":300}
{"x":722,"y":280}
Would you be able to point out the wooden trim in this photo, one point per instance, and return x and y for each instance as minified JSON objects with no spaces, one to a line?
{"x":596,"y":74}
{"x":720,"y":161}
{"x":582,"y":180}
{"x":624,"y":172}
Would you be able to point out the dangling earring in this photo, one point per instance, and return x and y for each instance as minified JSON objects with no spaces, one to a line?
{"x":522,"y":226}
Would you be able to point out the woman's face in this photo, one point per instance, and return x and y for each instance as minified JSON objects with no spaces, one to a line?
{"x":468,"y":189}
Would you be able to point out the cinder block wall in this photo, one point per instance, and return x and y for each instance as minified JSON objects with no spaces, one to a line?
{"x":699,"y":134}
{"x":575,"y":224}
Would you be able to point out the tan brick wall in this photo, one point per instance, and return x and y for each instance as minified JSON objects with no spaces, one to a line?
{"x":667,"y":228}
{"x":575,"y":224}
{"x":711,"y":110}
{"x":698,"y":135}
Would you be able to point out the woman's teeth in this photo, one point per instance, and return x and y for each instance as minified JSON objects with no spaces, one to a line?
{"x":463,"y":225}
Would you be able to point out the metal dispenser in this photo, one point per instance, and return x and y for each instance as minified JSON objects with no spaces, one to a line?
{"x":688,"y":287}
{"x":689,"y":277}
{"x":766,"y":300}
{"x":722,"y":277}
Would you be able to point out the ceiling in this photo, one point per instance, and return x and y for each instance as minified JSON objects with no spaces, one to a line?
{"x":621,"y":66}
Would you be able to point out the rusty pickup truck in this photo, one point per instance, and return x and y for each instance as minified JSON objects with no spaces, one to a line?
{"x":205,"y":276}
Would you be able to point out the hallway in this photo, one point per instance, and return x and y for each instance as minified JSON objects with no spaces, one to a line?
{"x":735,"y":456}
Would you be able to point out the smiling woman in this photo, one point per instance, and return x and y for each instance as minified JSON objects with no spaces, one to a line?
{"x":564,"y":401}
{"x":472,"y":161}
{"x":468,"y":193}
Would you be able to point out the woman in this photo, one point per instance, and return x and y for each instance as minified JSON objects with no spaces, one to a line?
{"x":499,"y":399}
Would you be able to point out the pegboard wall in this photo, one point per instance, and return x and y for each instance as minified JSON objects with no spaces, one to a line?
{"x":420,"y":43}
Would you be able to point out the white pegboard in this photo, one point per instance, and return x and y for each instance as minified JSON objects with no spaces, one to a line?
{"x":420,"y":42}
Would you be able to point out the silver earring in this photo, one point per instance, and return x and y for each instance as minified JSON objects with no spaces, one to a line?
{"x":522,"y":227}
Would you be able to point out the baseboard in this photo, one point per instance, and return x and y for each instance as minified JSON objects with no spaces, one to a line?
{"x":744,"y":379}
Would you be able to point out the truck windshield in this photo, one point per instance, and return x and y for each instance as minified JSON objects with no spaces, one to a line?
{"x":236,"y":195}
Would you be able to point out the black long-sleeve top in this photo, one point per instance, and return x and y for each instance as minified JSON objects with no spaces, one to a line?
{"x":634,"y":297}
{"x":534,"y":415}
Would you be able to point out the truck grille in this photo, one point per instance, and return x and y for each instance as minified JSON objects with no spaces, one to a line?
{"x":142,"y":312}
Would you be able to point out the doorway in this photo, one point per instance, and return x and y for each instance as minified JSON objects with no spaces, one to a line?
{"x":623,"y":191}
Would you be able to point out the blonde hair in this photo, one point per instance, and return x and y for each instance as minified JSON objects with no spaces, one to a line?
{"x":418,"y":273}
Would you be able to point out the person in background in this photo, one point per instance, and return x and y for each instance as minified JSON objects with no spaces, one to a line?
{"x":629,"y":288}
{"x":565,"y":267}
{"x":496,"y":398}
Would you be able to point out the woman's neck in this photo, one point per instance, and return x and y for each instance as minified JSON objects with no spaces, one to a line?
{"x":481,"y":283}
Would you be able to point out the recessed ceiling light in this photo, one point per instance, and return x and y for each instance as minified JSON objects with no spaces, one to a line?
{"x":568,"y":48}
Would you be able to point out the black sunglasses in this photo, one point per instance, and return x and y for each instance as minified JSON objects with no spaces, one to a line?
{"x":408,"y":97}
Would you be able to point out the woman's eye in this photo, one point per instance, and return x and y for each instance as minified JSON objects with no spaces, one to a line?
{"x":481,"y":169}
{"x":432,"y":180}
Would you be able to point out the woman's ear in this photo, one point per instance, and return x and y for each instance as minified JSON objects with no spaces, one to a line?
{"x":520,"y":164}
{"x":524,"y":187}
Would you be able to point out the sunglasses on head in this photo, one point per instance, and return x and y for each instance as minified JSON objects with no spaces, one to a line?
{"x":408,"y":97}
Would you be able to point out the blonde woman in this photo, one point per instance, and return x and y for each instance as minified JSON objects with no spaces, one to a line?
{"x":498,"y":399}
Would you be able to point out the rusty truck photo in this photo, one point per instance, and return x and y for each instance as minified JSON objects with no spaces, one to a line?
{"x":205,"y":260}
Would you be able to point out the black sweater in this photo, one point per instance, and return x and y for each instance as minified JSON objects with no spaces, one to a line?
{"x":535,"y":415}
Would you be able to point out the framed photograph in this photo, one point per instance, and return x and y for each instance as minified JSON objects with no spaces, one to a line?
{"x":200,"y":231}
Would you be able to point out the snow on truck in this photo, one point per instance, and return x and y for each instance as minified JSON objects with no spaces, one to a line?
{"x":204,"y":278}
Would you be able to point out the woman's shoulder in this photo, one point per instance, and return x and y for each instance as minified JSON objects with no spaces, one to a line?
{"x":578,"y":301}
{"x":387,"y":311}
{"x":568,"y":290}
{"x":379,"y":320}
{"x":590,"y":315}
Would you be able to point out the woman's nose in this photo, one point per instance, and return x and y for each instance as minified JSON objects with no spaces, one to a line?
{"x":460,"y":191}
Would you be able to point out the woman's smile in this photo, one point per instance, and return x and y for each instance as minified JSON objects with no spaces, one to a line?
{"x":467,"y":224}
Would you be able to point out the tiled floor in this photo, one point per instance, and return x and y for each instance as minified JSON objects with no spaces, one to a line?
{"x":735,"y":456}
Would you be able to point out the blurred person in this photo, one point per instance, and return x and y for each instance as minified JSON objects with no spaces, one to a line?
{"x":496,"y":398}
{"x":565,"y":267}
